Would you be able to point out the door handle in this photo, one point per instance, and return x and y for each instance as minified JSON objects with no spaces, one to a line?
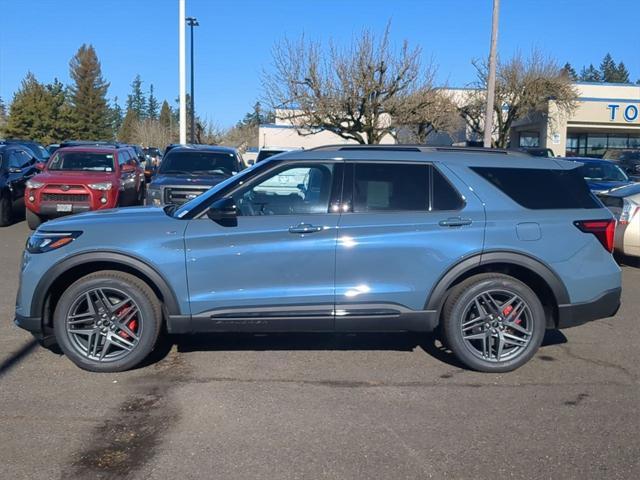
{"x":455,"y":222}
{"x":304,"y":228}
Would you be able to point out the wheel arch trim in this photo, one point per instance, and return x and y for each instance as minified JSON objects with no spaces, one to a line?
{"x":439,"y":293}
{"x":144,"y":268}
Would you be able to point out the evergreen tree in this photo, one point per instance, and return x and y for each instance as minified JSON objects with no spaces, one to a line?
{"x":128,"y":128}
{"x":61,"y":112}
{"x":165,"y":115}
{"x":88,"y":96}
{"x":590,"y":74}
{"x":622,"y":74}
{"x":608,"y":69}
{"x":136,"y":100}
{"x":569,"y":71}
{"x":33,"y":111}
{"x":116,"y":117}
{"x":152,"y":105}
{"x":3,"y":117}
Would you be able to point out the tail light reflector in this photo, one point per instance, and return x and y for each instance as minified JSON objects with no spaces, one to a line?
{"x":604,"y":230}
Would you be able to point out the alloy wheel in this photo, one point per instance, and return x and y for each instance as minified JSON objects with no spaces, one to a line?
{"x":104,"y":324}
{"x":497,"y":325}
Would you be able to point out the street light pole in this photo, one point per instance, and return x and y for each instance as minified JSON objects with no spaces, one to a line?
{"x":192,"y":22}
{"x":491,"y":81}
{"x":182,"y":72}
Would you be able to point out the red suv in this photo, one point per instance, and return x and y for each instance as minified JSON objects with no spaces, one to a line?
{"x":79,"y":179}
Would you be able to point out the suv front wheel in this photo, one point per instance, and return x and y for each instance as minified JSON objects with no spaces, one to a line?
{"x":107,"y":321}
{"x":493,"y":322}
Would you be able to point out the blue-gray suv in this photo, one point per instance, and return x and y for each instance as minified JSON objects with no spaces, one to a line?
{"x":487,"y":247}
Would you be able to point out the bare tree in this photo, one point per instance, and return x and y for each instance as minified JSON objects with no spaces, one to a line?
{"x":353,"y":92}
{"x":150,"y":132}
{"x":524,"y":88}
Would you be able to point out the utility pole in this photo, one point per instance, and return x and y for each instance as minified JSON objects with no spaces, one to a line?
{"x":192,"y":22}
{"x":183,"y":71}
{"x":491,"y":81}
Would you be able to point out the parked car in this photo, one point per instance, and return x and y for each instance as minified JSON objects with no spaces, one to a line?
{"x":601,"y":175}
{"x":624,"y":203}
{"x":80,"y":179}
{"x":36,"y":149}
{"x":267,"y":152}
{"x":627,"y":160}
{"x":153,"y":156}
{"x":52,"y":147}
{"x":187,"y":171}
{"x":17,"y":165}
{"x":374,"y":239}
{"x":538,"y":151}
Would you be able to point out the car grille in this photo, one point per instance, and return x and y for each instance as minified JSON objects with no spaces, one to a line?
{"x":179,"y":196}
{"x":64,"y":197}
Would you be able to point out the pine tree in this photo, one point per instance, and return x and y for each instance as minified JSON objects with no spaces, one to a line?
{"x":61,"y":112}
{"x":88,"y":96}
{"x":165,"y":115}
{"x":152,"y":105}
{"x":622,"y":74}
{"x":590,"y":74}
{"x":569,"y":71}
{"x":3,"y":117}
{"x":136,"y":100}
{"x":608,"y":69}
{"x":33,"y":111}
{"x":116,"y":117}
{"x":128,"y":128}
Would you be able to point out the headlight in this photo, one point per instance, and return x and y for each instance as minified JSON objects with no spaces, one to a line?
{"x":100,"y":186}
{"x":34,"y":184}
{"x":41,"y":242}
{"x":153,"y":192}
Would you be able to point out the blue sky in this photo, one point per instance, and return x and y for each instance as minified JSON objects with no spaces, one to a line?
{"x":234,"y":40}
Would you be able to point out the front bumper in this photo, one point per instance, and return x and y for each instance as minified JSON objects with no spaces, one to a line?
{"x":604,"y":306}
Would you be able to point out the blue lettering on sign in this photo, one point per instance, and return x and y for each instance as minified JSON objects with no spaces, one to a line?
{"x":613,"y":109}
{"x":631,"y":113}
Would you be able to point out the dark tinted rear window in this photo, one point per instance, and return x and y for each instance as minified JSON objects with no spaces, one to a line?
{"x":540,"y":188}
{"x":445,"y":197}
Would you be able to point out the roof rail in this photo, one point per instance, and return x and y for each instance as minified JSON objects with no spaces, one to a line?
{"x":413,"y":148}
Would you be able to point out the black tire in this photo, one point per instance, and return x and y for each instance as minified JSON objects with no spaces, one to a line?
{"x":457,"y":309}
{"x":149,"y":318}
{"x":6,"y":210}
{"x":33,"y":219}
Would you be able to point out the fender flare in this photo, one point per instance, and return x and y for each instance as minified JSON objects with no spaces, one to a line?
{"x":157,"y":279}
{"x":439,"y":293}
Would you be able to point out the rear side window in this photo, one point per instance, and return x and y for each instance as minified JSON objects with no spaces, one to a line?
{"x":390,"y":187}
{"x":541,"y":189}
{"x":445,"y":197}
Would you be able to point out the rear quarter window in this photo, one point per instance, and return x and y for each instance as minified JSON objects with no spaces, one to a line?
{"x":541,"y":189}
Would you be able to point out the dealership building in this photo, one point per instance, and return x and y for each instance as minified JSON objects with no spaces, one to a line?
{"x":606,"y":117}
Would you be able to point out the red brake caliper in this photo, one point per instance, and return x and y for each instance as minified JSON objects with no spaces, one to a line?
{"x":132,"y":325}
{"x":507,"y":311}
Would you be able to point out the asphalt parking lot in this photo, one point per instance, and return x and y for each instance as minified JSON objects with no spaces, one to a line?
{"x":322,"y":406}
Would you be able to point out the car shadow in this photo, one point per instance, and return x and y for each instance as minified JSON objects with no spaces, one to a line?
{"x":627,"y":261}
{"x":402,"y":342}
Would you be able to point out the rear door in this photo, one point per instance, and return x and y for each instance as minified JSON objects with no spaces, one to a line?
{"x":406,"y":225}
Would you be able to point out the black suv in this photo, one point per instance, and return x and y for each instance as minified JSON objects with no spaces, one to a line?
{"x":17,"y":164}
{"x":34,"y":148}
{"x":187,"y":171}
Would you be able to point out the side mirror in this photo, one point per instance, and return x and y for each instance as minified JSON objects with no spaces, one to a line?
{"x":224,"y":212}
{"x":40,"y":166}
{"x":15,"y":170}
{"x":128,"y":168}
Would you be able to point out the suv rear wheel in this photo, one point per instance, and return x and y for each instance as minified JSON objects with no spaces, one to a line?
{"x":107,"y":321}
{"x":493,"y":323}
{"x":6,"y":210}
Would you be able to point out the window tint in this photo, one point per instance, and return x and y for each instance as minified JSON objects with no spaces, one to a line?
{"x":15,"y":159}
{"x":390,"y":187}
{"x":445,"y":197}
{"x":294,"y":190}
{"x":123,"y":157}
{"x":541,"y":188}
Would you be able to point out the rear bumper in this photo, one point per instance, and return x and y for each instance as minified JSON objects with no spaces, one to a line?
{"x":604,"y":306}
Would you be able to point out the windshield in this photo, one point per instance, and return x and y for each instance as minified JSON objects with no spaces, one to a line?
{"x":603,"y":172}
{"x":182,"y":162}
{"x":633,"y":155}
{"x":152,"y":152}
{"x":194,"y":205}
{"x":82,"y":161}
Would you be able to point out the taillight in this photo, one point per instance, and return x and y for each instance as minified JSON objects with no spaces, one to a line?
{"x":628,"y":211}
{"x":604,"y":230}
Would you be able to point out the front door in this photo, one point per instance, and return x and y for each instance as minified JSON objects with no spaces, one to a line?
{"x":275,"y":270}
{"x":406,"y":226}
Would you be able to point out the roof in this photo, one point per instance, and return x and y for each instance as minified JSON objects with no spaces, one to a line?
{"x":586,"y":159}
{"x":447,"y":155}
{"x":90,"y":148}
{"x":199,"y":147}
